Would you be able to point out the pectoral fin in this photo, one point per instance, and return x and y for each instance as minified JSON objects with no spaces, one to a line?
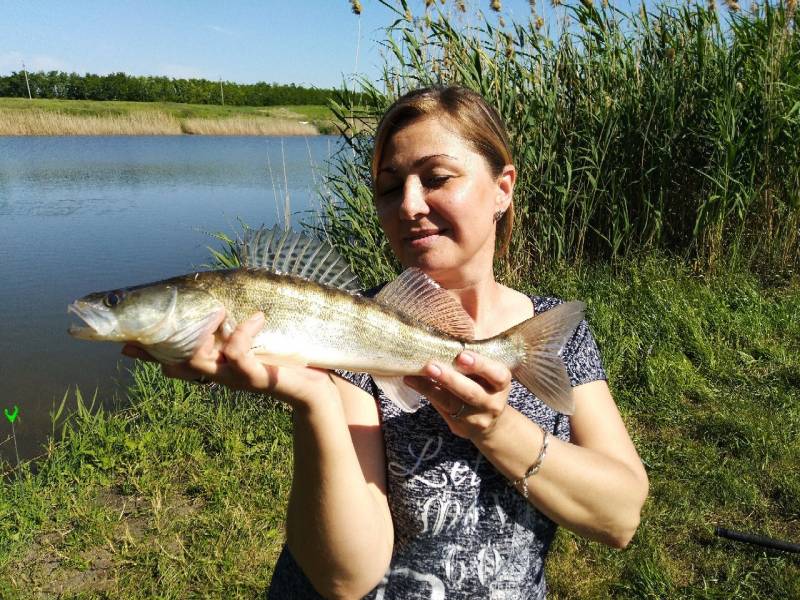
{"x":398,"y":392}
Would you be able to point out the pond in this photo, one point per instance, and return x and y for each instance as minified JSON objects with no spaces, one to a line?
{"x":83,"y":214}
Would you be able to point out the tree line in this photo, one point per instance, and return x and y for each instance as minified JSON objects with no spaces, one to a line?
{"x":120,"y":86}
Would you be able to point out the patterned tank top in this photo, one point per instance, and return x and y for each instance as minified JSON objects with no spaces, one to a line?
{"x":460,"y":530}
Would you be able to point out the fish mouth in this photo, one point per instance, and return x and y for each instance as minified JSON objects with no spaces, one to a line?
{"x":99,"y":323}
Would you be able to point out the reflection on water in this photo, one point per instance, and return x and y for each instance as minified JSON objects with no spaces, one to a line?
{"x":81,"y":214}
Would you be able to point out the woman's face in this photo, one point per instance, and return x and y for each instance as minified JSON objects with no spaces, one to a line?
{"x":436,"y":199}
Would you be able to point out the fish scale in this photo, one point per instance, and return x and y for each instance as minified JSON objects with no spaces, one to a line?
{"x":411,"y":321}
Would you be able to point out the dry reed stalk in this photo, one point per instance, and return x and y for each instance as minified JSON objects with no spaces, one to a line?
{"x":30,"y":122}
{"x":17,"y":122}
{"x":247,"y":126}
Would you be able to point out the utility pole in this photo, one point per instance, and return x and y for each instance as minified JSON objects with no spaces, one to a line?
{"x":221,"y":92}
{"x":28,"y":85}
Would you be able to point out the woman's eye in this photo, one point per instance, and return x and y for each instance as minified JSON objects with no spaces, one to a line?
{"x":112,"y":299}
{"x":388,"y":191}
{"x":437,"y":181}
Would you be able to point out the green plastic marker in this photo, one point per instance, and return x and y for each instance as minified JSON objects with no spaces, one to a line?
{"x":11,"y":416}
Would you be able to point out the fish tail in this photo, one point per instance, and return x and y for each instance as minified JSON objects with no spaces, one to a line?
{"x":541,"y":369}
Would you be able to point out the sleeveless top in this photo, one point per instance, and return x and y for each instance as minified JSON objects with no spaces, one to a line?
{"x":460,"y":530}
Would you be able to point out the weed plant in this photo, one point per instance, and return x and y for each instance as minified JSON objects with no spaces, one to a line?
{"x":86,"y":117}
{"x":670,"y":128}
{"x":183,"y":493}
{"x":635,"y":144}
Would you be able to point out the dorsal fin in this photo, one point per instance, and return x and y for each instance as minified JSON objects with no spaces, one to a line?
{"x":418,"y":296}
{"x":283,"y":251}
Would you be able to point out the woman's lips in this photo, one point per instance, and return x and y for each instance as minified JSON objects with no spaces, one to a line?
{"x":423,"y":239}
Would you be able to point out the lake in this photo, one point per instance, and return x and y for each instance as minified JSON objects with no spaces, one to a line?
{"x":83,"y":214}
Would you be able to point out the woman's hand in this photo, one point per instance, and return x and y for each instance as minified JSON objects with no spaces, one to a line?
{"x":232,"y":363}
{"x":471,"y":396}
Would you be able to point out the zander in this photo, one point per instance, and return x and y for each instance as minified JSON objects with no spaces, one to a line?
{"x":314,"y":317}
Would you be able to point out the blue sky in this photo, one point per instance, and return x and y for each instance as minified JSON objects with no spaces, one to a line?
{"x":308,"y":42}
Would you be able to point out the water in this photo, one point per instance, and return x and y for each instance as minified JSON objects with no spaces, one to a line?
{"x":83,"y":214}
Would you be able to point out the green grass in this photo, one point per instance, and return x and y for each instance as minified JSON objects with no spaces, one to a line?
{"x":706,"y":372}
{"x":631,"y":141}
{"x":320,"y":116}
{"x":670,"y":127}
{"x":183,"y":493}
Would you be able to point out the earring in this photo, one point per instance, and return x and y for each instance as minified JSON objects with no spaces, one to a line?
{"x":499,"y":215}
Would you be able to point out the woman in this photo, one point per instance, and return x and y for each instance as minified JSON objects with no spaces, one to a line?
{"x":396,"y":505}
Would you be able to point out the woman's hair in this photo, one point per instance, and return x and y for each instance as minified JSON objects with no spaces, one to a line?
{"x":472,"y":118}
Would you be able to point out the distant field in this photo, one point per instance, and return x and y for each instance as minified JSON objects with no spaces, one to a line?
{"x":20,"y":116}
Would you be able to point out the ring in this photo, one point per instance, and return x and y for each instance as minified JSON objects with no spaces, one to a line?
{"x":457,"y":415}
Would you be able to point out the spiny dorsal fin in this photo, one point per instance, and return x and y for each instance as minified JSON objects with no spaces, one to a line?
{"x":283,"y":251}
{"x":419,"y":297}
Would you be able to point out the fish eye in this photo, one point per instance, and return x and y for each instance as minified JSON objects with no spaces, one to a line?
{"x":113,"y":298}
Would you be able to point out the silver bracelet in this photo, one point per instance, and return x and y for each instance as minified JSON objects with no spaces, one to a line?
{"x":534,"y":468}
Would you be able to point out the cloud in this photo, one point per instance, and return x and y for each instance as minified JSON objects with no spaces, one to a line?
{"x":12,"y":61}
{"x":221,"y":30}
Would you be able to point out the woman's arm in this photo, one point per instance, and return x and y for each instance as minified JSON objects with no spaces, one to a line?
{"x":339,"y":527}
{"x":595,"y":486}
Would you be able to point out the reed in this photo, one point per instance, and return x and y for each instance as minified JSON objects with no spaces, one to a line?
{"x":247,"y":126}
{"x":40,"y":121}
{"x":670,"y":128}
{"x":15,"y":122}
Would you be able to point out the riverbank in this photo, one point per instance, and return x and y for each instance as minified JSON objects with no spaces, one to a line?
{"x":20,"y":117}
{"x":183,"y":493}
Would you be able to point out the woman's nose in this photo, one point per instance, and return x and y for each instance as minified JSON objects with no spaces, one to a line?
{"x":413,"y":203}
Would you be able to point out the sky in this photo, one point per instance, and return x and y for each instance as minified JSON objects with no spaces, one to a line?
{"x":317,"y":43}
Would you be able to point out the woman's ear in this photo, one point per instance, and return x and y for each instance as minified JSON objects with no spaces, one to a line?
{"x":505,"y":187}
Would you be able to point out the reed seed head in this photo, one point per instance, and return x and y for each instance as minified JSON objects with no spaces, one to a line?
{"x":356,"y":7}
{"x":539,"y":23}
{"x":732,"y":5}
{"x":429,"y":3}
{"x":461,"y":6}
{"x":496,"y":6}
{"x":556,"y":3}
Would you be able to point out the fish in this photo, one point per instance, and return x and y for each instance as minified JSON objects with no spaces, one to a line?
{"x":315,"y":316}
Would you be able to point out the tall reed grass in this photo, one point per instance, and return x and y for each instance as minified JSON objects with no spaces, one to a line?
{"x":247,"y":126}
{"x":14,"y":122}
{"x":143,"y":122}
{"x":672,"y":128}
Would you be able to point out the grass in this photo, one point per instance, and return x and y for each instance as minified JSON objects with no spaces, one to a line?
{"x":183,"y":493}
{"x":670,"y":127}
{"x":634,"y":142}
{"x":20,"y":116}
{"x":705,"y":371}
